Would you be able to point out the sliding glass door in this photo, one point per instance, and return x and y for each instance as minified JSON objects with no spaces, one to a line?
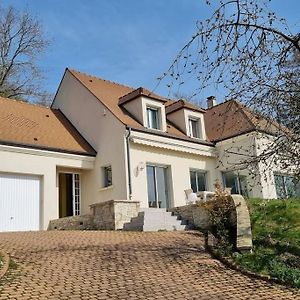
{"x":237,"y":183}
{"x":157,"y":186}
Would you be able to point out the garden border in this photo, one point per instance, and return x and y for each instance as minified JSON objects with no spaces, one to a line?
{"x":229,"y":262}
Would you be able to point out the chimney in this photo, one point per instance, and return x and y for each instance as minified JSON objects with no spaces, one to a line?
{"x":211,"y":101}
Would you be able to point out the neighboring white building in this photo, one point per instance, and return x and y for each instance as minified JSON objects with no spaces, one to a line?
{"x":101,"y":140}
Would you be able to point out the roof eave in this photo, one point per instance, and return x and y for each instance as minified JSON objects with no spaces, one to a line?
{"x":53,"y":149}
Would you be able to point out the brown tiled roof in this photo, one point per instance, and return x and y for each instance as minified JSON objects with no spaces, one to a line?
{"x":34,"y":126}
{"x":173,"y":106}
{"x":232,"y":118}
{"x":222,"y":121}
{"x":109,"y":94}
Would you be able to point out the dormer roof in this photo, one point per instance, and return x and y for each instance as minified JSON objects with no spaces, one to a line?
{"x":180,"y":104}
{"x":140,"y":92}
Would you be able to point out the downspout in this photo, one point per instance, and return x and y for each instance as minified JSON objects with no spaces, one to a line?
{"x":129,"y":162}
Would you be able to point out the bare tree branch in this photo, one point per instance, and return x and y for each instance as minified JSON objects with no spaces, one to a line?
{"x":249,"y":53}
{"x":22,"y":41}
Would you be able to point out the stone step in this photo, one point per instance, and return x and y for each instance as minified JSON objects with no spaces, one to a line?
{"x":132,"y":227}
{"x":155,"y":219}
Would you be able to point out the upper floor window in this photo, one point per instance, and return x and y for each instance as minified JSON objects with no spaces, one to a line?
{"x":194,"y":128}
{"x":153,"y":118}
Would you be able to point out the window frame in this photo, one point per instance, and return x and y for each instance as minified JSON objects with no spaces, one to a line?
{"x":76,"y":189}
{"x":107,"y":182}
{"x":237,"y":182}
{"x":157,"y":110}
{"x":196,"y":122}
{"x":199,"y":171}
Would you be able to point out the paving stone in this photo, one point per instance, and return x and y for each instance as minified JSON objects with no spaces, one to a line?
{"x":123,"y":265}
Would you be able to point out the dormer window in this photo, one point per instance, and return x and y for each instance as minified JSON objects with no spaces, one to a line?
{"x":153,"y":118}
{"x":147,"y":108}
{"x":188,"y":118}
{"x":194,"y":128}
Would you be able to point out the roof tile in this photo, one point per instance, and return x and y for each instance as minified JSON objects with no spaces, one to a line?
{"x":109,"y":94}
{"x":35,"y":126}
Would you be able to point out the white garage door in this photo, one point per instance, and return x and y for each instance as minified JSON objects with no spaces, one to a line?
{"x":19,"y":202}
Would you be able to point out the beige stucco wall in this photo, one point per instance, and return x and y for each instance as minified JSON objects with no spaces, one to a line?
{"x":179,"y":164}
{"x":177,"y":117}
{"x":232,"y":153}
{"x":135,"y":107}
{"x":46,"y":165}
{"x":265,"y":142}
{"x":104,"y":132}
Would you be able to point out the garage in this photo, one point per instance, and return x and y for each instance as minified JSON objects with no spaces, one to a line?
{"x":19,"y":202}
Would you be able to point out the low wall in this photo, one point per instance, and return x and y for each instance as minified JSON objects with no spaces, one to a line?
{"x":84,"y":222}
{"x":114,"y":213}
{"x":198,"y":217}
{"x":109,"y":215}
{"x":243,"y":223}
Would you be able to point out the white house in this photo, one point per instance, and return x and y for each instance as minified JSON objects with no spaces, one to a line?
{"x":101,"y":140}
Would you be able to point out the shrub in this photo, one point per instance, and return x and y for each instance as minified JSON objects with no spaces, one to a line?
{"x":220,"y":211}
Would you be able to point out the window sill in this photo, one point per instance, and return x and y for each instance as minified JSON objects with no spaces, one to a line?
{"x":106,"y":188}
{"x":196,"y":138}
{"x":154,"y":129}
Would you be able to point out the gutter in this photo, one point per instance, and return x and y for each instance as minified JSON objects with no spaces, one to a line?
{"x":129,"y":162}
{"x":46,"y":148}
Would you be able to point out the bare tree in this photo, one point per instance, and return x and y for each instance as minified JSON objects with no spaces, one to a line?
{"x":22,"y":41}
{"x":252,"y":55}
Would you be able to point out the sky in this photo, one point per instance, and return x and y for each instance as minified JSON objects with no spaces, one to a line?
{"x":127,"y":41}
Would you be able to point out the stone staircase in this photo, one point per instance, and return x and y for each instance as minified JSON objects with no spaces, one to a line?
{"x":155,"y":219}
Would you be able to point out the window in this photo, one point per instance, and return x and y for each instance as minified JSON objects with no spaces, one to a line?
{"x":153,"y":118}
{"x":107,"y":176}
{"x":198,"y":180}
{"x":286,"y":186}
{"x":194,"y":128}
{"x":76,"y":194}
{"x":237,"y":183}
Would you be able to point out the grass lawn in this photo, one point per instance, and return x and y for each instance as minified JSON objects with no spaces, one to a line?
{"x":276,"y":240}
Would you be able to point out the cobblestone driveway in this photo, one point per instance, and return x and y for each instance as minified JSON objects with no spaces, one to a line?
{"x":123,"y":265}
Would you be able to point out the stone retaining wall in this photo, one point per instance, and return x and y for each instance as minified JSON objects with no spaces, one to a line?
{"x":198,"y":217}
{"x":243,"y":223}
{"x":109,"y":215}
{"x":84,"y":222}
{"x":194,"y":214}
{"x":114,"y":213}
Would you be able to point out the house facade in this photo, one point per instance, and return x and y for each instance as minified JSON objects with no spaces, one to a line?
{"x":100,"y":141}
